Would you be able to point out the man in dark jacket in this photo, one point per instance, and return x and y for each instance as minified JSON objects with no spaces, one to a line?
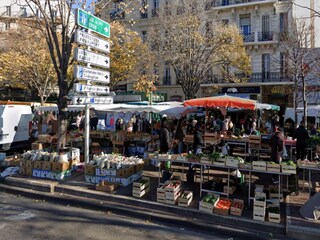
{"x":301,"y":134}
{"x":164,"y":137}
{"x":197,"y":137}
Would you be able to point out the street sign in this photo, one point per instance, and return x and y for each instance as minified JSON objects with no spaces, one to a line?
{"x":92,"y":41}
{"x":82,"y":88}
{"x":86,"y":56}
{"x":88,"y":21}
{"x":84,"y":73}
{"x":92,"y":100}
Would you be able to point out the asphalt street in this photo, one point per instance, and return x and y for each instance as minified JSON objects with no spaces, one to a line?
{"x":24,"y":218}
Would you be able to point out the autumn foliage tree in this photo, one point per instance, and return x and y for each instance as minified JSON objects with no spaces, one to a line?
{"x":27,"y":63}
{"x":131,"y":59}
{"x":188,"y":40}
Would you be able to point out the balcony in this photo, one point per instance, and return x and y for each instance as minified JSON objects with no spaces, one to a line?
{"x":222,"y":3}
{"x":143,"y":15}
{"x":248,"y":37}
{"x":266,"y":36}
{"x":266,"y":77}
{"x":117,"y":14}
{"x":166,"y":80}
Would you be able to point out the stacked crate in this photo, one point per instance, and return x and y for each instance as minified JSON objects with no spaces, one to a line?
{"x":140,"y":188}
{"x":259,"y":206}
{"x":172,"y":193}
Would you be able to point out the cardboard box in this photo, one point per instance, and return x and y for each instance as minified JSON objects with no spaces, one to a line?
{"x":46,"y":165}
{"x":126,"y":172}
{"x":36,"y":146}
{"x":90,"y":170}
{"x":37,"y":164}
{"x":60,"y":167}
{"x":106,"y":186}
{"x":22,"y":170}
{"x":28,"y":171}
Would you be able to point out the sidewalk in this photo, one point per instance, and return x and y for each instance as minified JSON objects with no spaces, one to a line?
{"x":76,"y":191}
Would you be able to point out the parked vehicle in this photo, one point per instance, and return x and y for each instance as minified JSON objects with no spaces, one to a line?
{"x":313,"y":114}
{"x":15,"y":125}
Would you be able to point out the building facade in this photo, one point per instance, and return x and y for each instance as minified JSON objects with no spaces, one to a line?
{"x":261,"y":22}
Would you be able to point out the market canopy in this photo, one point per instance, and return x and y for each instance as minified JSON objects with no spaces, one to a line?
{"x":224,"y":101}
{"x":265,"y":106}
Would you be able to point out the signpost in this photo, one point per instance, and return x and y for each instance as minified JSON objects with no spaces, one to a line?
{"x":86,"y":56}
{"x":84,"y":73}
{"x":90,"y":22}
{"x":92,"y":41}
{"x":82,"y":88}
{"x":94,"y":24}
{"x":92,"y":100}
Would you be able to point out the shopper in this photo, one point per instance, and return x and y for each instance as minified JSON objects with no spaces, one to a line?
{"x":277,"y":147}
{"x":164,"y":137}
{"x":301,"y":134}
{"x":179,"y":136}
{"x":197,"y":137}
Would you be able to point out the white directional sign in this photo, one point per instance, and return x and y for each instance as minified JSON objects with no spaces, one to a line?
{"x":92,"y":41}
{"x":84,"y":73}
{"x":86,"y":56}
{"x":82,"y":88}
{"x":92,"y":100}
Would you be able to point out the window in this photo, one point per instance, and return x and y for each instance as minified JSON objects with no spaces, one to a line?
{"x":225,"y":21}
{"x":283,"y":66}
{"x":156,"y":73}
{"x":144,"y":36}
{"x":265,"y":66}
{"x":283,"y":22}
{"x":265,"y":23}
{"x":245,"y":24}
{"x":225,"y":2}
{"x":8,"y":11}
{"x":144,"y":9}
{"x":167,"y":75}
{"x":23,"y":11}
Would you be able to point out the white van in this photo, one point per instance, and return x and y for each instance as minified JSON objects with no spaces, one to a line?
{"x":15,"y":125}
{"x":313,"y":114}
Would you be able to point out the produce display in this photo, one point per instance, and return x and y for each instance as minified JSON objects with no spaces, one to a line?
{"x":224,"y":204}
{"x":274,"y":210}
{"x":210,"y":199}
{"x":237,"y":204}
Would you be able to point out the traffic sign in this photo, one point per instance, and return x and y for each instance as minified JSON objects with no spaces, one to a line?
{"x":92,"y":41}
{"x":88,"y":21}
{"x":92,"y":100}
{"x":82,"y":88}
{"x":86,"y":56}
{"x":85,"y":73}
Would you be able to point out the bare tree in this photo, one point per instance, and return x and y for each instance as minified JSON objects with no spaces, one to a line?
{"x":186,"y":38}
{"x":300,"y":61}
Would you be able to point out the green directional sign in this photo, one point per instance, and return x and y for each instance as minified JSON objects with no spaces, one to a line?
{"x":88,"y":21}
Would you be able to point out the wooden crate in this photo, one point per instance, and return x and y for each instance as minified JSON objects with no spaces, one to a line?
{"x":274,"y":217}
{"x":288,"y":169}
{"x":205,"y":160}
{"x":206,"y":207}
{"x":222,"y":211}
{"x":245,"y":166}
{"x":259,"y":165}
{"x":219,"y":162}
{"x":185,"y":202}
{"x":259,"y":216}
{"x":161,"y":195}
{"x":231,"y":162}
{"x":140,"y":186}
{"x":273,"y":167}
{"x":140,"y":193}
{"x":234,"y":210}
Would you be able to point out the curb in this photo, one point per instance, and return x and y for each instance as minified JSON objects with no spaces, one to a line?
{"x":196,"y":220}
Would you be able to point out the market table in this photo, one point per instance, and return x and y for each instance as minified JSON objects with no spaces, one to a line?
{"x":203,"y":165}
{"x":309,"y":169}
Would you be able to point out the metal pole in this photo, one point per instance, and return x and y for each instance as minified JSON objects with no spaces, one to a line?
{"x":86,"y":133}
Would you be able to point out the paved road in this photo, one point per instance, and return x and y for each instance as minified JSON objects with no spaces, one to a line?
{"x":23,"y":218}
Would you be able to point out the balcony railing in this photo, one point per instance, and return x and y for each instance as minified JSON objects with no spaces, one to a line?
{"x":253,"y":78}
{"x":220,"y":3}
{"x":266,"y":36}
{"x":248,"y":37}
{"x":155,"y":12}
{"x":166,"y":80}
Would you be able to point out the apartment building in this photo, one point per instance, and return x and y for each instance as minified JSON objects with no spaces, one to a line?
{"x":261,"y":22}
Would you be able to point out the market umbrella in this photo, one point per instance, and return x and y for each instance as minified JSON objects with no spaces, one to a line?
{"x":265,"y":106}
{"x":222,"y":101}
